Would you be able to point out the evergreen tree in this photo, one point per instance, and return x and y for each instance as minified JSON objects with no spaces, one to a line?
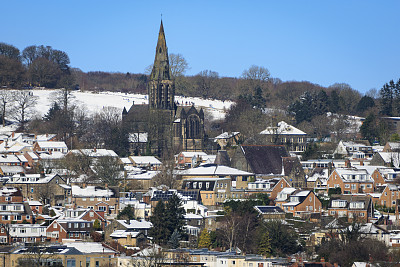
{"x":174,"y":214}
{"x":204,"y":239}
{"x":387,"y":95}
{"x":333,"y":102}
{"x":264,"y":245}
{"x":159,"y":231}
{"x":128,"y":213}
{"x":365,"y":103}
{"x":173,"y":242}
{"x":96,"y":225}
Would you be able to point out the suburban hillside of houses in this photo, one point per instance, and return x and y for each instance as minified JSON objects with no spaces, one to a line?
{"x":226,"y":208}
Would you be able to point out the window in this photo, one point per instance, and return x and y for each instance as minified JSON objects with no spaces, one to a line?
{"x":55,"y":226}
{"x":17,"y":217}
{"x":76,"y":225}
{"x":99,"y":199}
{"x":353,"y":186}
{"x":207,"y":185}
{"x":346,"y":186}
{"x":107,"y":198}
{"x":92,"y":199}
{"x":83,"y":199}
{"x":102,"y":208}
{"x":82,"y":225}
{"x":31,"y":189}
{"x":91,"y":214}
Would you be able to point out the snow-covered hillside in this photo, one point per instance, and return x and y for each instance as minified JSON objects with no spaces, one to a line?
{"x":94,"y":102}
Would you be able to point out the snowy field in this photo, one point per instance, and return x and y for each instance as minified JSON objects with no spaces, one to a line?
{"x":94,"y":102}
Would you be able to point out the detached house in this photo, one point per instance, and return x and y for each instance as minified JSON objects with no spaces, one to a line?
{"x":389,"y":196}
{"x":12,"y":207}
{"x":355,"y":207}
{"x":51,"y":146}
{"x":49,"y":189}
{"x":285,"y":134}
{"x":302,"y":203}
{"x":62,"y":229}
{"x":97,"y":198}
{"x":351,"y":180}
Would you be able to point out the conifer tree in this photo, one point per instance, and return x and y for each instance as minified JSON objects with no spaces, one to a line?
{"x":173,"y":242}
{"x":204,"y":239}
{"x":174,"y":214}
{"x":264,"y":245}
{"x":159,"y":231}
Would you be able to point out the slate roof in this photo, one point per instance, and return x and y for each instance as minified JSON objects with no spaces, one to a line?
{"x":268,"y":209}
{"x":265,"y":159}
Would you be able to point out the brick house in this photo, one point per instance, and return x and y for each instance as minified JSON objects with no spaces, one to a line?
{"x":351,"y":180}
{"x":302,"y":203}
{"x":97,"y":198}
{"x":49,"y":189}
{"x":359,"y":207}
{"x":12,"y":207}
{"x":389,"y":196}
{"x":69,"y":229}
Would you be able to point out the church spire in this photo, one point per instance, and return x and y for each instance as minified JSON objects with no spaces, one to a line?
{"x":161,"y":85}
{"x":160,"y":69}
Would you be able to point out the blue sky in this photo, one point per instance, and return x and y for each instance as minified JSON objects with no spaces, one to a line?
{"x":324,"y":42}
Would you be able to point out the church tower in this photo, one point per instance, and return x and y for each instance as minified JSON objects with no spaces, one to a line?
{"x":161,"y":87}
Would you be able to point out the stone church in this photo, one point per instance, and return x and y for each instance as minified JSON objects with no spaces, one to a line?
{"x":170,"y":127}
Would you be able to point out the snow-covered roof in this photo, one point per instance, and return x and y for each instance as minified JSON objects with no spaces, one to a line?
{"x":226,"y":135}
{"x":190,"y":154}
{"x":302,"y":193}
{"x":6,"y":169}
{"x":284,"y":129}
{"x":143,"y":176}
{"x":91,"y":191}
{"x":89,"y":247}
{"x":33,"y":155}
{"x":34,"y":203}
{"x":30,"y":178}
{"x":7,"y":191}
{"x":53,"y":156}
{"x":125,"y":160}
{"x":99,"y":152}
{"x":52,"y":144}
{"x":145,"y":160}
{"x":45,"y":137}
{"x":135,"y":224}
{"x":214,"y":170}
{"x":123,"y":234}
{"x":391,"y":157}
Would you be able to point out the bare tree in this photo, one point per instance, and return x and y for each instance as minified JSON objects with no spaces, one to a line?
{"x":24,"y":104}
{"x":166,"y":176}
{"x":178,"y":65}
{"x":6,"y":99}
{"x":63,"y":97}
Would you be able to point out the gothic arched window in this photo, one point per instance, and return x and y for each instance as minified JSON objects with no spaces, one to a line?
{"x":193,"y":127}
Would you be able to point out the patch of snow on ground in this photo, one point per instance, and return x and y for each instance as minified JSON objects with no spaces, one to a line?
{"x":94,"y":102}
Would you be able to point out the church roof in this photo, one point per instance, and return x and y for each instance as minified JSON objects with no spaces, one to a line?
{"x":265,"y":159}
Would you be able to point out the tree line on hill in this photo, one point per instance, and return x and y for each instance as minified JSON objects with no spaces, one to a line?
{"x":260,"y":100}
{"x":40,"y":66}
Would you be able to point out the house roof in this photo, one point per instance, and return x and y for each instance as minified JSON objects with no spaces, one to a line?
{"x":265,"y":159}
{"x":268,"y":209}
{"x":91,"y":191}
{"x":226,"y":135}
{"x":213,"y":170}
{"x":283,"y":129}
{"x":145,"y":160}
{"x":135,"y":224}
